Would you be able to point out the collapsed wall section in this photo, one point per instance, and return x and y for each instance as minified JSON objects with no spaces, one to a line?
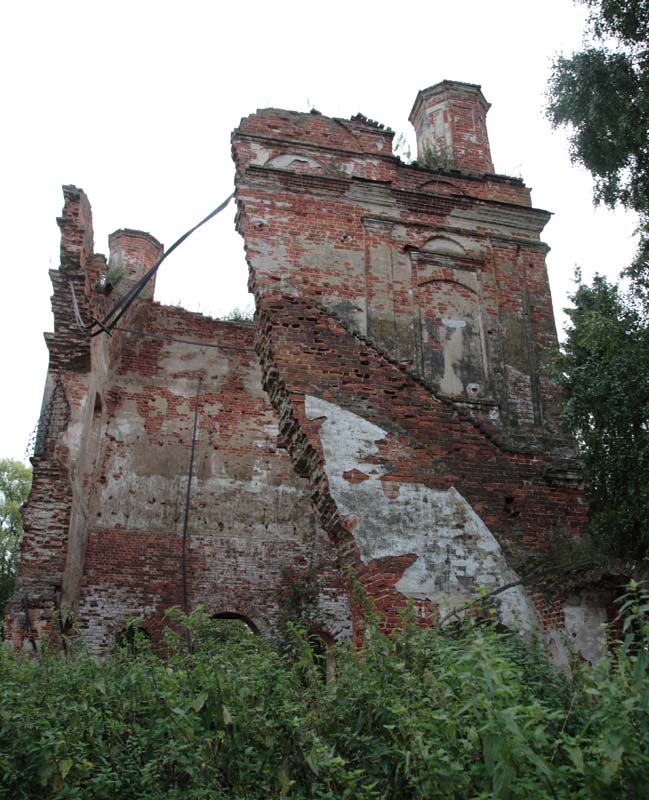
{"x":420,"y":503}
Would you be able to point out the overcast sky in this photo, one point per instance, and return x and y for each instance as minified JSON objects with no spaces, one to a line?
{"x":135,"y":102}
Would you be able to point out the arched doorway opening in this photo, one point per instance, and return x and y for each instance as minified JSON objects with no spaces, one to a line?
{"x":227,"y":628}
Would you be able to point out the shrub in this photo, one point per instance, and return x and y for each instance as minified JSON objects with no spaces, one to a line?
{"x":462,"y":712}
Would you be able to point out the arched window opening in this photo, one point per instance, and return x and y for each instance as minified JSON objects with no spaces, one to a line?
{"x":227,"y":628}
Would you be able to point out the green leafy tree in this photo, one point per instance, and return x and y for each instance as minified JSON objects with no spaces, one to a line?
{"x":15,"y":483}
{"x":604,"y":370}
{"x":601,"y":95}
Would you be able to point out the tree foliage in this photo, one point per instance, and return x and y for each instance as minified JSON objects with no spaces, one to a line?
{"x":447,"y":713}
{"x":601,"y":95}
{"x":15,"y":483}
{"x":604,"y":370}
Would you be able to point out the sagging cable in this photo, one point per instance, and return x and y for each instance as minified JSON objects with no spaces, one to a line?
{"x":110,"y":320}
{"x":86,"y":329}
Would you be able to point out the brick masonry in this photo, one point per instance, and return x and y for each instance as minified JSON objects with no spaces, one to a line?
{"x":389,"y":419}
{"x":104,"y":524}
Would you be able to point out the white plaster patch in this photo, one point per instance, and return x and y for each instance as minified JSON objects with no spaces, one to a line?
{"x":456,"y":552}
{"x":73,"y":435}
{"x":445,"y":245}
{"x":585,"y":628}
{"x":260,"y":154}
{"x":583,"y":632}
{"x":184,"y":358}
{"x":453,"y":350}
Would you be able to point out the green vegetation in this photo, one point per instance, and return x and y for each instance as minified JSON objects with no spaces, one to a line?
{"x":114,"y":277}
{"x":460,"y":712}
{"x":438,"y":157}
{"x":15,"y":483}
{"x":604,"y":367}
{"x":237,"y":314}
{"x":601,"y":96}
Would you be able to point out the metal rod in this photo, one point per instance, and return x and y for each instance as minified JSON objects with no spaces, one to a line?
{"x":187,"y":499}
{"x":121,"y":306}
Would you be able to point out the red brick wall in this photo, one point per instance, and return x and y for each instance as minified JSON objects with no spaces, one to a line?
{"x":250,"y":517}
{"x":365,"y":235}
{"x":105,"y":520}
{"x":522,"y":498}
{"x":414,"y":304}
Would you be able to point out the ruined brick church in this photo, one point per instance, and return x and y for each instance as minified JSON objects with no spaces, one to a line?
{"x":387,"y":422}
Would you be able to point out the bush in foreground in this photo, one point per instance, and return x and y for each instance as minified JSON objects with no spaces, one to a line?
{"x":452,"y":713}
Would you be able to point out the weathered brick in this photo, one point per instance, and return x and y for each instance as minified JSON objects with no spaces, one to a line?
{"x":387,"y":426}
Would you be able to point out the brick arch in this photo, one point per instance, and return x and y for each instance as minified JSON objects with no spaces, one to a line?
{"x":438,"y":277}
{"x":321,"y":644}
{"x":442,"y":186}
{"x":234,"y":615}
{"x":127,"y":635}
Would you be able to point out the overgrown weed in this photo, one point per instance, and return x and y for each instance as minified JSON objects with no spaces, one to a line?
{"x":461,"y":711}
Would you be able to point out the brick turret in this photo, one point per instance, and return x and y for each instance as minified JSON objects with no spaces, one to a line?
{"x":450,"y":119}
{"x":134,"y":252}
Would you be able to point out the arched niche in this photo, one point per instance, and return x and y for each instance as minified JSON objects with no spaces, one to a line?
{"x":98,"y":406}
{"x":444,"y":245}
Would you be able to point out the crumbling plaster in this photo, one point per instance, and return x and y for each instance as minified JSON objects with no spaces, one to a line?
{"x":456,"y":555}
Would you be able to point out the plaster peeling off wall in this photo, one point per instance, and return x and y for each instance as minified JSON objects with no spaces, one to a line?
{"x":456,"y":552}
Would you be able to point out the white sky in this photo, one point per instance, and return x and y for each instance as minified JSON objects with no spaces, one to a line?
{"x":135,"y":101}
